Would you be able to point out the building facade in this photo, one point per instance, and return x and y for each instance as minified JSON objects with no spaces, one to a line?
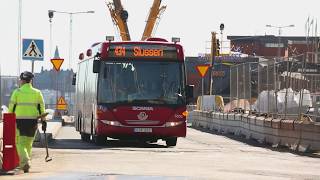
{"x":275,"y":46}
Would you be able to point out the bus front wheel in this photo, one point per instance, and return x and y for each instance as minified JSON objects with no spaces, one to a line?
{"x":171,"y":141}
{"x":100,"y":140}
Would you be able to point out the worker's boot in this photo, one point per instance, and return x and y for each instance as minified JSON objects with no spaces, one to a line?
{"x":26,"y":168}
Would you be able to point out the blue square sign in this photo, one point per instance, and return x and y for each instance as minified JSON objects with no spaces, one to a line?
{"x":32,"y":49}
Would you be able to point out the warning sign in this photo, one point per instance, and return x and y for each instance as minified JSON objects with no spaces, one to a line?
{"x":61,"y":105}
{"x":57,"y":63}
{"x":203,"y":69}
{"x":32,"y":49}
{"x":56,"y":60}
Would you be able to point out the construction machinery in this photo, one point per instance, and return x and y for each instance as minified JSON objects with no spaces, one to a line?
{"x":154,"y":16}
{"x":119,"y":17}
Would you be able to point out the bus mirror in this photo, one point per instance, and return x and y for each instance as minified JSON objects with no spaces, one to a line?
{"x":74,"y":77}
{"x":189,"y":92}
{"x":96,"y":66}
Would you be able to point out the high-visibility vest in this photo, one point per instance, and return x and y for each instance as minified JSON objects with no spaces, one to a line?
{"x":27,"y":102}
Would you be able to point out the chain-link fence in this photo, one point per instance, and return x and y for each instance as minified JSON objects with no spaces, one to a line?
{"x":286,"y":88}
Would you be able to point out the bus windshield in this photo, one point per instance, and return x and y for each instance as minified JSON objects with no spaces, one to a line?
{"x":141,"y":82}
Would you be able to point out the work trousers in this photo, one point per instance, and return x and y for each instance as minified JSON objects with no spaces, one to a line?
{"x":25,"y":134}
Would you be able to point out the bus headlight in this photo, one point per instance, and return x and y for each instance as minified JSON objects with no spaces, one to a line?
{"x":111,"y":123}
{"x":172,"y":124}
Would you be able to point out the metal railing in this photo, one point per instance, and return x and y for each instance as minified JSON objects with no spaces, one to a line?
{"x":286,"y":88}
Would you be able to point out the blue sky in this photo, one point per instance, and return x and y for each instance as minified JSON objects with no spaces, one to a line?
{"x":191,"y":20}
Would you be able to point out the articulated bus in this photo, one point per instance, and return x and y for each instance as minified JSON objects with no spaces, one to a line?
{"x":132,"y":90}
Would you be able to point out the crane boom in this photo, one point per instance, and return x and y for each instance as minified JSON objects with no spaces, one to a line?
{"x":154,"y":15}
{"x":119,"y":17}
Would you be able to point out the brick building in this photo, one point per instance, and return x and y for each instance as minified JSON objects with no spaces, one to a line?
{"x":268,"y":46}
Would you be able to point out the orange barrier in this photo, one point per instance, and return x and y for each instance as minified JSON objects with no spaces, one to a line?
{"x":10,"y":155}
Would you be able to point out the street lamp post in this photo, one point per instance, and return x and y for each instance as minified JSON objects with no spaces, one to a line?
{"x":70,"y":26}
{"x":279,"y":35}
{"x":19,"y":36}
{"x":276,"y":69}
{"x":51,"y":13}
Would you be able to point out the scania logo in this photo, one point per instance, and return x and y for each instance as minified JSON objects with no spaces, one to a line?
{"x":140,"y":108}
{"x":142,"y":116}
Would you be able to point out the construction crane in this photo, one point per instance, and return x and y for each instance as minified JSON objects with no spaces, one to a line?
{"x":119,"y":17}
{"x":153,"y":18}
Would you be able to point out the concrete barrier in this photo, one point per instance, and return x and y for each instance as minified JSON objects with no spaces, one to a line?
{"x":295,"y":135}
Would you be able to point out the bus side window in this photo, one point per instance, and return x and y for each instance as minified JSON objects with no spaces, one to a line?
{"x":105,"y":72}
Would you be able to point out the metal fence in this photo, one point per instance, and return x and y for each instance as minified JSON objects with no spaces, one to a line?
{"x":286,"y":88}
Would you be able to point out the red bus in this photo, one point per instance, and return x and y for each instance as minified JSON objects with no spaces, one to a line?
{"x":134,"y":90}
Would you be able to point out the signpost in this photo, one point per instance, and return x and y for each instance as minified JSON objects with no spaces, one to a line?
{"x":32,"y":49}
{"x":57,"y":62}
{"x":202,"y":70}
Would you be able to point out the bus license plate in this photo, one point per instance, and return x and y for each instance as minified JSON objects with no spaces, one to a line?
{"x":144,"y":130}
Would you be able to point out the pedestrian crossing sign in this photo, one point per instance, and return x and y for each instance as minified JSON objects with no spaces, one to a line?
{"x":32,"y":49}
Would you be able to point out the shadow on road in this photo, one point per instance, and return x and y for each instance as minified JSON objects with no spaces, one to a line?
{"x":79,"y":144}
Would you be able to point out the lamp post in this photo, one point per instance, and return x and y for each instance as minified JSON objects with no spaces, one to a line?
{"x":279,"y":35}
{"x":276,"y":88}
{"x":51,"y":12}
{"x":19,"y":36}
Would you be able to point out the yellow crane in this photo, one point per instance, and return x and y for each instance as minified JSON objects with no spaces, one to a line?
{"x":153,"y":18}
{"x":119,"y":17}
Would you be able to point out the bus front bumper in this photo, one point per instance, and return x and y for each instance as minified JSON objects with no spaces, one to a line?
{"x":116,"y":130}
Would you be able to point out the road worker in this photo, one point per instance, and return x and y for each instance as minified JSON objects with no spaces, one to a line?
{"x":28,"y":104}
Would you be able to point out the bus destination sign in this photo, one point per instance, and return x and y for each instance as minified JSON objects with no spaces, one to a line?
{"x":142,"y":51}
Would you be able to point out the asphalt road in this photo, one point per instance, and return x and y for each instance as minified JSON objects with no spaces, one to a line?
{"x":200,"y":156}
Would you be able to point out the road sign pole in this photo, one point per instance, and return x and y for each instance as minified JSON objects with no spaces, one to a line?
{"x":57,"y":95}
{"x":202,"y":87}
{"x":32,"y":66}
{"x":213,"y":54}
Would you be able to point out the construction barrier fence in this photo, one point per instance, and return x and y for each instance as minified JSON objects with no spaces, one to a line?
{"x":286,"y":88}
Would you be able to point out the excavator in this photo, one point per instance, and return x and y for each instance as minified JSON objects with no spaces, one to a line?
{"x":154,"y":16}
{"x":120,"y":16}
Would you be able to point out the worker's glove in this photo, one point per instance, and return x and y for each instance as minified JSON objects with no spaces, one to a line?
{"x":44,"y":125}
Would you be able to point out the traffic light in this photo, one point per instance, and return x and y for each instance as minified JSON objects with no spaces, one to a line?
{"x":218,"y":48}
{"x":50,"y":14}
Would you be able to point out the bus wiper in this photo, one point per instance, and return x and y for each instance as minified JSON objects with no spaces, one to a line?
{"x":122,"y":102}
{"x":157,"y":101}
{"x":138,"y":101}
